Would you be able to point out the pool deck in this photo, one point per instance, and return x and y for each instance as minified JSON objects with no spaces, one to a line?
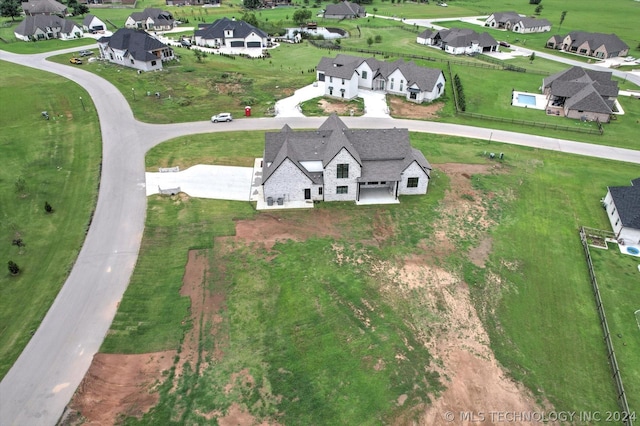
{"x":541,"y":100}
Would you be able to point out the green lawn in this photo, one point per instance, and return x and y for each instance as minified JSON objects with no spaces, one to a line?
{"x":618,"y":278}
{"x":58,"y":162}
{"x":540,"y":315}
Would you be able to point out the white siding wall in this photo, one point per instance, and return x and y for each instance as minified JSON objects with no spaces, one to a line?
{"x":130,"y":23}
{"x":630,"y":236}
{"x":331,"y":180}
{"x":368,"y":82}
{"x":255,"y":37}
{"x":413,"y":170}
{"x":287,"y":182}
{"x":350,"y":87}
{"x":395,"y":82}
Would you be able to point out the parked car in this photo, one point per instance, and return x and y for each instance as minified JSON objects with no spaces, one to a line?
{"x":504,"y":44}
{"x":224,"y":116}
{"x":185,"y":42}
{"x":629,"y":59}
{"x":85,"y":53}
{"x":76,"y":61}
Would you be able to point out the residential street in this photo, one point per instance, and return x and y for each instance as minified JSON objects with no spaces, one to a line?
{"x":44,"y":378}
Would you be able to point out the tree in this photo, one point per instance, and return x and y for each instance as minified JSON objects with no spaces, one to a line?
{"x":369,"y":41}
{"x":375,"y":10}
{"x":539,"y":9}
{"x":252,"y":4}
{"x":301,"y":16}
{"x":378,"y":38}
{"x":562,"y":15}
{"x":250,"y":18}
{"x":532,"y":57}
{"x":47,"y":207}
{"x":13,"y":268}
{"x":10,"y":8}
{"x":199,"y":55}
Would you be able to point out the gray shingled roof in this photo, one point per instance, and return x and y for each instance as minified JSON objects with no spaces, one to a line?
{"x":533,"y":22}
{"x":383,"y":153}
{"x":35,"y":7}
{"x":137,"y":43}
{"x":627,"y":201}
{"x":504,"y":17}
{"x":345,"y":8}
{"x":30,"y":24}
{"x":611,"y":41}
{"x":159,"y":16}
{"x":463,"y":37}
{"x":240,"y":29}
{"x":426,"y":33}
{"x":343,"y":66}
{"x":587,"y":90}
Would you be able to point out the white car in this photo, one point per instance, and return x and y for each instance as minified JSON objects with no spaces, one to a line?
{"x":224,"y":116}
{"x":629,"y":59}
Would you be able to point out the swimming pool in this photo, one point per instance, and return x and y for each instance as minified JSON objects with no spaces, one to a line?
{"x":526,"y":99}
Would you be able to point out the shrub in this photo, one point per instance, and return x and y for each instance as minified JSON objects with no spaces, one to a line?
{"x":13,"y":268}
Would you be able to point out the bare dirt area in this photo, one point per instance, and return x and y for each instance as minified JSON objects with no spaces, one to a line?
{"x":340,"y":108}
{"x":118,"y":385}
{"x":401,"y":108}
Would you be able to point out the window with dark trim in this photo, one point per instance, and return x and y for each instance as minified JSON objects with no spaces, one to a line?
{"x":412,"y":182}
{"x":320,"y":191}
{"x":342,"y":190}
{"x":343,"y":171}
{"x":364,"y":75}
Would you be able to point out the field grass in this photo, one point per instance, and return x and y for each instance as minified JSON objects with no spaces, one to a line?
{"x":58,"y":162}
{"x":618,"y":278}
{"x":541,"y":317}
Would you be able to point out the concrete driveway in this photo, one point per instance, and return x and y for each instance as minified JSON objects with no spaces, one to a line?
{"x":204,"y":181}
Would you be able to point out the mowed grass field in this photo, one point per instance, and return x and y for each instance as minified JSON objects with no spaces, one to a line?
{"x":57,"y":161}
{"x":541,"y":317}
{"x":618,"y":277}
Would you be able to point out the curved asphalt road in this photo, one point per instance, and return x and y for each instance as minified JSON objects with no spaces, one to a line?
{"x":47,"y":373}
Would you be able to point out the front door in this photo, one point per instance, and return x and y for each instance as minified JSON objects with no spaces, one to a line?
{"x":307,"y":194}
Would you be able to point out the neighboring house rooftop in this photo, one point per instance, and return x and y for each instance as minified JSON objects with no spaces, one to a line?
{"x":533,"y":22}
{"x":383,"y":153}
{"x":137,"y":43}
{"x":587,"y":89}
{"x":503,"y":17}
{"x":44,"y":7}
{"x":627,"y":201}
{"x":463,"y":37}
{"x":611,"y":41}
{"x":345,"y":8}
{"x":240,"y":29}
{"x":30,"y":24}
{"x":159,"y":16}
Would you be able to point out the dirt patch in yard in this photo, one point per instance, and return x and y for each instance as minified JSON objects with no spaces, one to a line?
{"x":401,"y":108}
{"x":116,"y":386}
{"x":339,"y":107}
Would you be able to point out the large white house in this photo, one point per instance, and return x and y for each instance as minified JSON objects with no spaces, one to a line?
{"x":135,"y":49}
{"x":344,"y":75}
{"x":227,"y":32}
{"x":623,"y":209}
{"x":335,"y":163}
{"x":516,"y":23}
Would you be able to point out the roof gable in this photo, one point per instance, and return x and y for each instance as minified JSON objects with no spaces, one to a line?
{"x":240,"y":29}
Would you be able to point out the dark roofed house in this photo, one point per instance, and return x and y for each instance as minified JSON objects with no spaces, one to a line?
{"x":45,"y":27}
{"x":230,"y":33}
{"x":516,"y":23}
{"x":623,"y":210}
{"x":344,"y":75}
{"x":135,"y":49}
{"x":460,"y":41}
{"x":581,"y":93}
{"x":597,"y":45}
{"x":335,"y":163}
{"x":152,"y":19}
{"x":44,"y":7}
{"x":344,"y":10}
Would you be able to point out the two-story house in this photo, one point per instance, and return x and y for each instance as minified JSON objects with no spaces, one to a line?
{"x":335,"y":163}
{"x":135,"y":49}
{"x":227,"y":32}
